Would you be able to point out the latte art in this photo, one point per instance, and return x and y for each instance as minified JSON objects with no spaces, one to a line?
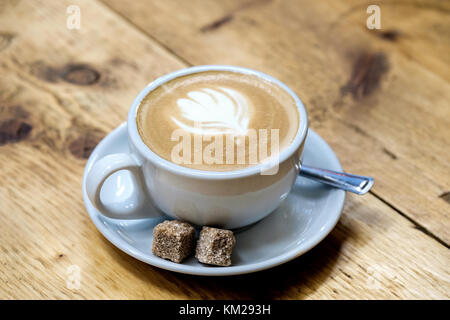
{"x":218,"y":120}
{"x":214,"y":111}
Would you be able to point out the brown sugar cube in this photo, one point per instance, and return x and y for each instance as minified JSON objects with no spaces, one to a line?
{"x":173,"y":240}
{"x":215,"y":246}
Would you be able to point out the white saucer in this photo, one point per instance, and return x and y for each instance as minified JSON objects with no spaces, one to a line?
{"x":307,"y":215}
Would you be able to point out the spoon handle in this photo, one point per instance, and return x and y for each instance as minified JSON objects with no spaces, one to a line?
{"x":341,"y":180}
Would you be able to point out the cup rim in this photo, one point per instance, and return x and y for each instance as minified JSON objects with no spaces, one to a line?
{"x":160,"y":162}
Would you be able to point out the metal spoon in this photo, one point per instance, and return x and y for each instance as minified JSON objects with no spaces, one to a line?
{"x":345,"y":181}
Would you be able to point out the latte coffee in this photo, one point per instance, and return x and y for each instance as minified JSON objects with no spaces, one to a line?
{"x":218,"y":120}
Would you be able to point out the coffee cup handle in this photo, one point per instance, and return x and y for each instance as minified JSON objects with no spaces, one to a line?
{"x":104,"y":168}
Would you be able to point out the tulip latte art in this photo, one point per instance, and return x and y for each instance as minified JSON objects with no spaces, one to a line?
{"x":215,"y":111}
{"x":229,"y":118}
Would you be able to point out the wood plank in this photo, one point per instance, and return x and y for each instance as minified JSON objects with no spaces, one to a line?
{"x":381,"y":98}
{"x":60,"y":92}
{"x":70,"y":87}
{"x":359,"y":259}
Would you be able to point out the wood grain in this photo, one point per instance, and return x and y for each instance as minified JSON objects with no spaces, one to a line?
{"x":62,"y":90}
{"x":381,"y":98}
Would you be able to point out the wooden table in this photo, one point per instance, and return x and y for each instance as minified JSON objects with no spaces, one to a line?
{"x":381,"y":98}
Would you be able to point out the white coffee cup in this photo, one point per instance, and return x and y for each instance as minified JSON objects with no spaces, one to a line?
{"x":229,"y":199}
